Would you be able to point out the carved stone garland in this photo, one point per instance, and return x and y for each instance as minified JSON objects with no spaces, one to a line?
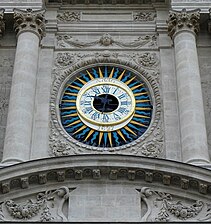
{"x":162,"y":207}
{"x":2,"y":23}
{"x":47,"y":207}
{"x":150,"y":144}
{"x":29,"y":20}
{"x":183,"y":20}
{"x":106,"y":40}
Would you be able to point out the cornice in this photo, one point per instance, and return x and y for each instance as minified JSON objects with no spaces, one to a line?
{"x":112,"y":167}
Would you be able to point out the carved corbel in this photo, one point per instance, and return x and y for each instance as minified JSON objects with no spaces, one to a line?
{"x":30,"y":21}
{"x":2,"y":22}
{"x":184,"y":20}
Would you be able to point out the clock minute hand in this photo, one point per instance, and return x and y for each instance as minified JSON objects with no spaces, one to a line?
{"x":104,"y":100}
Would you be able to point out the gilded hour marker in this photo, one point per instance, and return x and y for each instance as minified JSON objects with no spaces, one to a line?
{"x":120,"y":77}
{"x":75,"y":87}
{"x":90,"y":75}
{"x":111,"y":74}
{"x":129,"y":81}
{"x":70,"y":115}
{"x":80,"y":129}
{"x":82,"y":81}
{"x":100,"y":72}
{"x":142,"y":101}
{"x":75,"y":122}
{"x":135,"y":87}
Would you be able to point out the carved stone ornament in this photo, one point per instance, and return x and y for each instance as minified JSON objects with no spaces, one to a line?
{"x":165,"y":207}
{"x":106,"y":40}
{"x":2,"y":23}
{"x":69,"y":16}
{"x":62,"y":144}
{"x":32,"y":21}
{"x":143,"y":16}
{"x":184,"y":20}
{"x":46,"y":207}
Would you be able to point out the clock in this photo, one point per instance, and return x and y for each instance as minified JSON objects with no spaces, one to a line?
{"x":106,"y":106}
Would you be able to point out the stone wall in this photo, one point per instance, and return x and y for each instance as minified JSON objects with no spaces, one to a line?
{"x":6,"y":68}
{"x":205,"y":69}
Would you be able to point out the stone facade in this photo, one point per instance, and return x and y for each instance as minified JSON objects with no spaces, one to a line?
{"x":46,"y":175}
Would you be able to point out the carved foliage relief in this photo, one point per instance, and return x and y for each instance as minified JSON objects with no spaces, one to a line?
{"x":44,"y":207}
{"x":69,"y":16}
{"x":143,"y":16}
{"x":146,"y":63}
{"x":165,"y":207}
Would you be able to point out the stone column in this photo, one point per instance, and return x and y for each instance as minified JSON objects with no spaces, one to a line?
{"x":2,"y":23}
{"x":183,"y":27}
{"x":30,"y":27}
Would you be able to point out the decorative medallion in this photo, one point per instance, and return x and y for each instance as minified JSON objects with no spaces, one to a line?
{"x":105,"y":106}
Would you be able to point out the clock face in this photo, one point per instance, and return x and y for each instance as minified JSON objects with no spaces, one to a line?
{"x":106,"y":106}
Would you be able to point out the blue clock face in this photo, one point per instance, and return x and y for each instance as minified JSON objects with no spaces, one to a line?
{"x":106,"y":106}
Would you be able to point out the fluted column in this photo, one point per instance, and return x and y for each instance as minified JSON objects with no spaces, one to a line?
{"x":183,"y":27}
{"x":30,"y":27}
{"x":2,"y":23}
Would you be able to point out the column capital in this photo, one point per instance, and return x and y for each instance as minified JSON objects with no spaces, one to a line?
{"x":30,"y":21}
{"x":183,"y":20}
{"x":2,"y":23}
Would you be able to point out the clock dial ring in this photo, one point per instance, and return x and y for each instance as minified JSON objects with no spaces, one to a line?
{"x":98,"y":83}
{"x":102,"y":139}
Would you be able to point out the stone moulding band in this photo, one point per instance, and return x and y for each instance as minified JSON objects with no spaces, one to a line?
{"x":98,"y":167}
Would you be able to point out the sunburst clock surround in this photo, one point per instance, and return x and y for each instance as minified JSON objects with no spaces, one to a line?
{"x":106,"y":106}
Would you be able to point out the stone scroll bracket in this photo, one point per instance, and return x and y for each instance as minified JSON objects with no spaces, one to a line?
{"x":161,"y":206}
{"x":45,"y":206}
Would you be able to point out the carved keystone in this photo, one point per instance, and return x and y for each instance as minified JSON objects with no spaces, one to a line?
{"x":184,"y":20}
{"x":131,"y":174}
{"x":32,"y":21}
{"x":166,"y":179}
{"x":5,"y":188}
{"x":60,"y":176}
{"x":203,"y":188}
{"x":96,"y":174}
{"x":148,"y":177}
{"x":24,"y":182}
{"x":42,"y":178}
{"x":2,"y":23}
{"x":184,"y":184}
{"x":113,"y":174}
{"x":78,"y":174}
